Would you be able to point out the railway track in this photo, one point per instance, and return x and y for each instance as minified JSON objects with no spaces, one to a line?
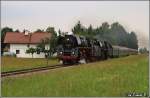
{"x":24,"y":71}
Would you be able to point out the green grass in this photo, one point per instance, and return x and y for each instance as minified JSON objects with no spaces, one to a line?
{"x":13,"y":63}
{"x":114,"y":77}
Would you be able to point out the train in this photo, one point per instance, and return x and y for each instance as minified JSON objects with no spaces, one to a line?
{"x":73,"y":49}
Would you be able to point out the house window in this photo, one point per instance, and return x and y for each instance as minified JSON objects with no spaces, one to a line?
{"x":28,"y":45}
{"x":38,"y":52}
{"x":17,"y":51}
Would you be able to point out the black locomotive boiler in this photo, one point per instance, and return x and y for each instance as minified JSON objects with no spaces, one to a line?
{"x":79,"y":49}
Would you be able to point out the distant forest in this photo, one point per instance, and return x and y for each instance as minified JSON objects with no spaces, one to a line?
{"x":114,"y":34}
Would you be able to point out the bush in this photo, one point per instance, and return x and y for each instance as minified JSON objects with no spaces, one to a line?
{"x":9,"y":54}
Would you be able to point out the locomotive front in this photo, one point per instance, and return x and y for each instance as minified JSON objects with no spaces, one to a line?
{"x":67,"y":50}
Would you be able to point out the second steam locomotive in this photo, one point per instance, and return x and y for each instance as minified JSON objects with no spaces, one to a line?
{"x":79,"y":49}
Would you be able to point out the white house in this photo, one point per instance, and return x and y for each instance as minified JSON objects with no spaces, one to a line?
{"x":18,"y":43}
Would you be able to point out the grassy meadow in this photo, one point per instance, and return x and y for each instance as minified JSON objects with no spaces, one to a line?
{"x":13,"y":63}
{"x":114,"y":77}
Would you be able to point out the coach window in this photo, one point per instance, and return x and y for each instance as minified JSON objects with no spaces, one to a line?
{"x":17,"y":51}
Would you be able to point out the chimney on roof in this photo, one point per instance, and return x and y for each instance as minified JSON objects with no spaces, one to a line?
{"x":26,"y":32}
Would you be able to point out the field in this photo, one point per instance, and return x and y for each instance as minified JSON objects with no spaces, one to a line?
{"x":12,"y":63}
{"x":114,"y":77}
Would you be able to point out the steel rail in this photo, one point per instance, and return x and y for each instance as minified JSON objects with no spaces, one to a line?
{"x":30,"y":70}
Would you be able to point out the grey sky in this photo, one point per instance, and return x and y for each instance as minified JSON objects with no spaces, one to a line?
{"x":133,"y":15}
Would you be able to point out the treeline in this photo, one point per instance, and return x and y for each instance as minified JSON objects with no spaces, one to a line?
{"x":114,"y":34}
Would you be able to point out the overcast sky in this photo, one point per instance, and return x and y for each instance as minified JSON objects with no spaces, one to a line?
{"x":133,"y":15}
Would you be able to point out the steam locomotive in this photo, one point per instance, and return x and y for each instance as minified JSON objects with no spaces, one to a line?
{"x":79,"y":49}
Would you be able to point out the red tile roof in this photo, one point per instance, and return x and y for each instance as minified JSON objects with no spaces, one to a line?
{"x":21,"y":38}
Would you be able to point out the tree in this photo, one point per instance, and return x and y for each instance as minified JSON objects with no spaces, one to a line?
{"x":17,"y":31}
{"x":50,"y":29}
{"x":31,"y":50}
{"x":43,"y":47}
{"x":52,"y":40}
{"x":132,"y":41}
{"x":105,"y":28}
{"x":47,"y":51}
{"x":103,"y":32}
{"x":90,"y":31}
{"x":59,"y":32}
{"x":78,"y":28}
{"x":119,"y":34}
{"x":39,"y":30}
{"x":53,"y":44}
{"x":3,"y":33}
